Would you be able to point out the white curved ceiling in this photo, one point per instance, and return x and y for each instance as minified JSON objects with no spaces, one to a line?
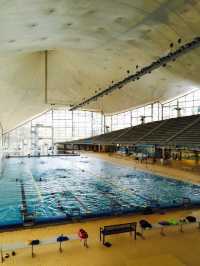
{"x":90,"y":43}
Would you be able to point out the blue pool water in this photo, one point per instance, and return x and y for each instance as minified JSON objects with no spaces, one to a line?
{"x":63,"y":188}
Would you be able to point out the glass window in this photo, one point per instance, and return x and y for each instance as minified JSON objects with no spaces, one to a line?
{"x":60,"y":124}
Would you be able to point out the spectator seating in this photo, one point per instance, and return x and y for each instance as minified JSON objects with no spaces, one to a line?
{"x":175,"y":131}
{"x":190,"y":136}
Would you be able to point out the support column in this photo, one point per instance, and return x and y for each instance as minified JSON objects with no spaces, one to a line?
{"x":162,"y":112}
{"x":45,"y":77}
{"x":1,"y":135}
{"x":72,"y":124}
{"x":103,"y":123}
{"x":1,"y":148}
{"x":152,"y":105}
{"x":52,"y":133}
{"x":92,"y":124}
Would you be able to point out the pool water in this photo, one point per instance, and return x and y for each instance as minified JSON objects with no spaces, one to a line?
{"x":66,"y":188}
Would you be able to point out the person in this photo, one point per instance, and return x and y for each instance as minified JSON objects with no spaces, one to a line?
{"x":83,"y":235}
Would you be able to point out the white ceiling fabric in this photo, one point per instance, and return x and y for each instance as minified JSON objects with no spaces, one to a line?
{"x":90,"y":43}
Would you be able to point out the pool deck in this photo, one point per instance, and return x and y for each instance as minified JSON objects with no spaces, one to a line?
{"x":173,"y":249}
{"x":153,"y":168}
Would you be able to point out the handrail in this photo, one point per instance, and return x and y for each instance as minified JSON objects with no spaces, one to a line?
{"x":151,"y":131}
{"x":123,"y":133}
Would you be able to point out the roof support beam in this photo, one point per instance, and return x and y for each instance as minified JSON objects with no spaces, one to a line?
{"x":162,"y":61}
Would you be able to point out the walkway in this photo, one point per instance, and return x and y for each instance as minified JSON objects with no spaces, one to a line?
{"x":174,"y":249}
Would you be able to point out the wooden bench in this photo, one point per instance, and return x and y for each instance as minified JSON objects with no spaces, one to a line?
{"x":118,"y":229}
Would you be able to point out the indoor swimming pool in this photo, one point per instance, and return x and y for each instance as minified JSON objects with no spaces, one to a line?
{"x":53,"y":189}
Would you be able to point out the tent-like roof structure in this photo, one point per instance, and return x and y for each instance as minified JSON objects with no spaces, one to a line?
{"x":91,"y":43}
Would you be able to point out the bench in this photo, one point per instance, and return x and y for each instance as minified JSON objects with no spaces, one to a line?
{"x":118,"y":229}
